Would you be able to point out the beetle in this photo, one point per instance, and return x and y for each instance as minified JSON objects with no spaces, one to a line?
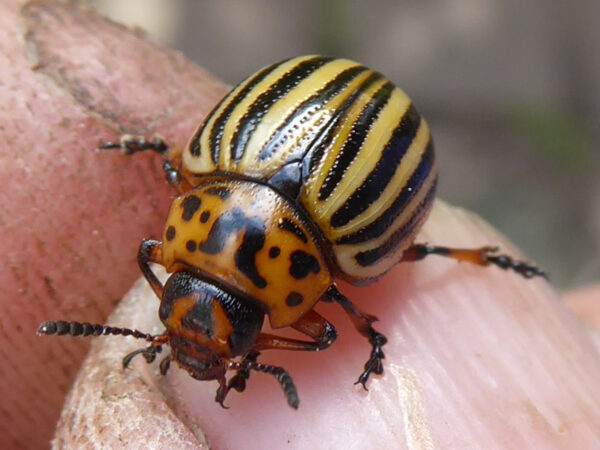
{"x":313,"y":169}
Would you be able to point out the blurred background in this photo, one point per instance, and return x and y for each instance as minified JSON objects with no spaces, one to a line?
{"x":511,"y":91}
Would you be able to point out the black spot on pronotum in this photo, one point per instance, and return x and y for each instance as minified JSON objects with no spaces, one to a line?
{"x":303,"y":264}
{"x":191,"y":246}
{"x":190,"y":205}
{"x":170,"y":234}
{"x":235,"y":221}
{"x":219,"y":191}
{"x":274,"y":252}
{"x":245,"y":256}
{"x":292,"y":227}
{"x":294,"y":299}
{"x":204,"y":216}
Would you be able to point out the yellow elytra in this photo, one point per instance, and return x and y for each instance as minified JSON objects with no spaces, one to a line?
{"x":341,"y":141}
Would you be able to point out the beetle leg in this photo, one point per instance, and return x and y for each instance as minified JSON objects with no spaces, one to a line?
{"x":149,"y":353}
{"x":483,"y":256}
{"x":151,"y":251}
{"x":165,"y":364}
{"x":362,"y":322}
{"x":171,"y":155}
{"x":238,"y":381}
{"x":222,"y":391}
{"x":134,"y":144}
{"x":280,"y":374}
{"x":312,"y":324}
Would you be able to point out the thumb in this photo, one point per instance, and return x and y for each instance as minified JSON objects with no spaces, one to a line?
{"x":476,"y":357}
{"x":71,"y":220}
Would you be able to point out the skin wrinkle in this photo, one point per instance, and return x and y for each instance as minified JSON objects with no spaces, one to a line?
{"x":416,"y":427}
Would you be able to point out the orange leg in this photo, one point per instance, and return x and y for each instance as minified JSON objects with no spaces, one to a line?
{"x":151,"y":251}
{"x":483,"y":256}
{"x":312,"y":324}
{"x":362,"y":322}
{"x":171,"y":156}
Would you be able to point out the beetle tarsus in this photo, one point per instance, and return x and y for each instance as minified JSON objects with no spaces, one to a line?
{"x":362,"y":323}
{"x":523,"y":268}
{"x":165,"y":364}
{"x":238,"y":381}
{"x":221,"y":393}
{"x":375,"y":363}
{"x":129,"y":145}
{"x":482,"y":256}
{"x":149,"y":354}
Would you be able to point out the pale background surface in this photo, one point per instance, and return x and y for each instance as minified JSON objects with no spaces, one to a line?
{"x":511,"y":90}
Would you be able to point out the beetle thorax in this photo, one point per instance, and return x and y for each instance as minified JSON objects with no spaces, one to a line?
{"x":247,"y":237}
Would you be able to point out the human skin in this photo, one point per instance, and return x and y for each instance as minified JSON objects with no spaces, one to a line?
{"x":72,"y":219}
{"x":476,"y":356}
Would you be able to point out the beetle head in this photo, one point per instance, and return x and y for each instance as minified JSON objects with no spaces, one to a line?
{"x":206,"y":325}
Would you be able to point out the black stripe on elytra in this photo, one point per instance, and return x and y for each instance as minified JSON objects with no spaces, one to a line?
{"x":327,"y":133}
{"x":292,"y":227}
{"x":189,"y":206}
{"x":378,"y":226}
{"x":377,"y":181}
{"x":303,"y":264}
{"x":372,"y":256}
{"x":355,"y":140}
{"x":195,"y":141}
{"x":232,"y":221}
{"x":220,"y":191}
{"x":216,"y":132}
{"x":254,"y":114}
{"x":300,"y":115}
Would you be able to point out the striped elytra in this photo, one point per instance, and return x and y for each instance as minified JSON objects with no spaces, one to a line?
{"x":339,"y":140}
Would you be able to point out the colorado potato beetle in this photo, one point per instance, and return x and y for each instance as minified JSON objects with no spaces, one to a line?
{"x":312,"y":169}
